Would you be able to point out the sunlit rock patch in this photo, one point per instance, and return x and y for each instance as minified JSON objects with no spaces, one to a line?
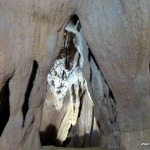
{"x":76,"y":113}
{"x":66,"y":75}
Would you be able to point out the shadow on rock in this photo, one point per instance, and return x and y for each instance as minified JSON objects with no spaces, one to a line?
{"x":48,"y":137}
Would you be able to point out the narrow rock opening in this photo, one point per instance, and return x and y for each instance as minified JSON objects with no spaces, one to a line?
{"x":75,"y":21}
{"x":4,"y":106}
{"x":80,"y":120}
{"x":29,"y":89}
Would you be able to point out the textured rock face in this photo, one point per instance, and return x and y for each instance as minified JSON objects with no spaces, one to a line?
{"x":83,"y":115}
{"x":106,"y":104}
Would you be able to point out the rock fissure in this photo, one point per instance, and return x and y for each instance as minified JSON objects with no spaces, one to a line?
{"x":25,"y":106}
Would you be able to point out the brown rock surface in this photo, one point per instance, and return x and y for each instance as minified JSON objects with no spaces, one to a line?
{"x":114,"y":36}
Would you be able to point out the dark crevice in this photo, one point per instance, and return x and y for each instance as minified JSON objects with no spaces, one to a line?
{"x":94,"y":59}
{"x":111,"y":94}
{"x":68,"y":139}
{"x":78,"y":62}
{"x":4,"y":106}
{"x":75,"y":20}
{"x":73,"y":92}
{"x":89,"y":59}
{"x":81,"y":104}
{"x":66,"y":142}
{"x":29,"y":89}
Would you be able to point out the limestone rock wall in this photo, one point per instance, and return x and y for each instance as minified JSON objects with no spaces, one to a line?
{"x":117,"y":34}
